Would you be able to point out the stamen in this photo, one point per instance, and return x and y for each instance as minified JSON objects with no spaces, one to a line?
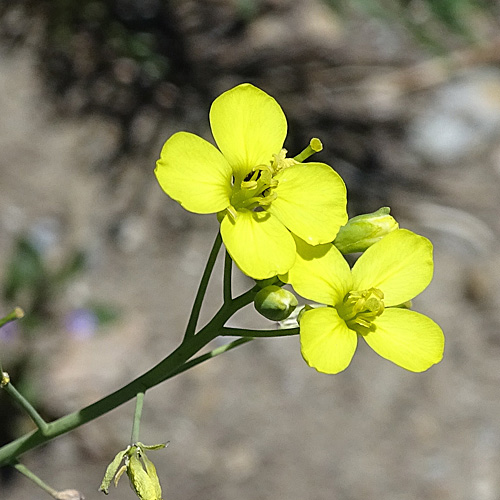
{"x":281,"y":162}
{"x":360,"y":308}
{"x":249,"y":185}
{"x":256,"y":190}
{"x":232,"y":212}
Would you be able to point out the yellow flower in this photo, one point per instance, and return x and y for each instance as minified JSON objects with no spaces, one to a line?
{"x":261,"y":196}
{"x":364,"y":302}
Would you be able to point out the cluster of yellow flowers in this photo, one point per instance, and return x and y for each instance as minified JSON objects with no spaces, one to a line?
{"x":280,"y":217}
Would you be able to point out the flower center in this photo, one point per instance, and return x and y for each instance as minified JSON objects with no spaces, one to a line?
{"x":256,"y":191}
{"x":360,"y":308}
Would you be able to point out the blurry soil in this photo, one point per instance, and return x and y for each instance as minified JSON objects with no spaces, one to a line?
{"x":257,"y":423}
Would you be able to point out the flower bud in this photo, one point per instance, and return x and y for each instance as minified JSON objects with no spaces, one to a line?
{"x":362,"y":231}
{"x":274,"y":303}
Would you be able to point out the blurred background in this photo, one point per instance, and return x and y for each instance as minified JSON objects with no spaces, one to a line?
{"x":405,"y":96}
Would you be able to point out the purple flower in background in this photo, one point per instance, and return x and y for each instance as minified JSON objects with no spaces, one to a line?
{"x":9,"y":332}
{"x":81,"y":323}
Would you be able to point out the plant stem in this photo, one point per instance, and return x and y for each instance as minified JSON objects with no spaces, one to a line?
{"x":228,"y":266}
{"x":164,"y":370}
{"x":212,"y":354}
{"x":235,"y":305}
{"x":200,"y":295}
{"x":27,"y":407}
{"x":241,"y":332}
{"x":17,"y":313}
{"x":139,"y":403}
{"x":33,"y":477}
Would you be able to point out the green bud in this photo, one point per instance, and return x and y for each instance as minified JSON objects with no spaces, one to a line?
{"x":274,"y":303}
{"x":362,"y":231}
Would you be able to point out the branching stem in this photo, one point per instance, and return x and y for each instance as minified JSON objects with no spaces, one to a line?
{"x":33,"y":477}
{"x":27,"y":407}
{"x":228,"y":266}
{"x":164,"y":370}
{"x":200,"y":295}
{"x":242,"y":332}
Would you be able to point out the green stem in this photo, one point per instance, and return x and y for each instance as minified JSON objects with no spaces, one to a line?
{"x":17,"y":313}
{"x":27,"y":407}
{"x":242,"y":332}
{"x":212,"y":354}
{"x":162,"y":371}
{"x":228,"y":266}
{"x":235,"y":305}
{"x":200,"y":295}
{"x":33,"y":477}
{"x":139,"y":403}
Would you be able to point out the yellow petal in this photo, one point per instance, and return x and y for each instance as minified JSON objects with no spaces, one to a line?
{"x":249,"y":126}
{"x":311,"y":202}
{"x":258,"y":243}
{"x":407,"y":338}
{"x":400,"y":265}
{"x":320,"y":273}
{"x":326,"y":342}
{"x":193,"y":172}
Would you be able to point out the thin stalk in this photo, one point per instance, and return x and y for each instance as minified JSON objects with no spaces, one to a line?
{"x":139,"y":403}
{"x":27,"y":407}
{"x":242,"y":332}
{"x":200,"y":294}
{"x":228,"y":266}
{"x":162,"y":371}
{"x":212,"y":354}
{"x":33,"y":477}
{"x":17,"y":313}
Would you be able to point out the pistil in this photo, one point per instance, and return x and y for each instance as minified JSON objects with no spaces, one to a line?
{"x":315,"y":146}
{"x":256,"y":190}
